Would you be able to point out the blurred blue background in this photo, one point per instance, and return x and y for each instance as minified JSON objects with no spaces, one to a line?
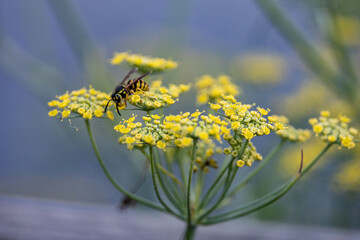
{"x":48,"y":47}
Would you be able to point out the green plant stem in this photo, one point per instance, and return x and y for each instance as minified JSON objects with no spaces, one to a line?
{"x":308,"y":167}
{"x":213,"y":188}
{"x":252,"y":206}
{"x":165,"y":185}
{"x":113,"y":181}
{"x":170,"y":175}
{"x":181,"y":164}
{"x":170,"y":190}
{"x":309,"y":54}
{"x":176,"y":200}
{"x":169,"y":194}
{"x":245,"y":180}
{"x":190,"y":232}
{"x":177,"y":185}
{"x":339,"y":84}
{"x":154,"y":177}
{"x":267,"y":199}
{"x":188,"y":195}
{"x":229,"y":179}
{"x":341,"y":53}
{"x":200,"y":178}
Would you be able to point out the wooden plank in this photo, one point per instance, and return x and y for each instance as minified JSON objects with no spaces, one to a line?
{"x":35,"y":219}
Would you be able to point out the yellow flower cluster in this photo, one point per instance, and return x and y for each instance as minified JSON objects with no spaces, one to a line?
{"x":246,"y":122}
{"x":143,"y":63}
{"x":291,"y":133}
{"x":204,"y":155}
{"x":334,"y":130}
{"x":173,"y":130}
{"x":83,"y":102}
{"x":249,"y":155}
{"x":260,"y":67}
{"x":348,"y":178}
{"x":158,"y":96}
{"x":211,"y":89}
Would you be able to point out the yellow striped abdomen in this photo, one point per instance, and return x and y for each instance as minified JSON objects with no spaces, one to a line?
{"x":140,"y":85}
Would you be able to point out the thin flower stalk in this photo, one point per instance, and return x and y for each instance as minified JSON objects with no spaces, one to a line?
{"x":165,"y":187}
{"x":245,"y":180}
{"x":112,"y":180}
{"x":230,"y":176}
{"x":155,"y":185}
{"x":267,"y":199}
{"x":188,"y":192}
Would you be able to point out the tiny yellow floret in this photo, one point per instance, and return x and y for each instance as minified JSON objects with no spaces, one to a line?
{"x":98,"y":112}
{"x":161,"y":144}
{"x":240,"y":163}
{"x":331,"y":138}
{"x":325,"y":113}
{"x":110,"y":115}
{"x":65,"y":113}
{"x":53,"y":113}
{"x":317,"y":128}
{"x":313,"y":121}
{"x":146,"y":118}
{"x":344,"y":119}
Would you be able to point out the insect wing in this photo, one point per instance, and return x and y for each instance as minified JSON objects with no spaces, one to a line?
{"x":128,"y":75}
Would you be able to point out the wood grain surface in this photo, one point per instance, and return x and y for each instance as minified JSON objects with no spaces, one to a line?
{"x":35,"y":219}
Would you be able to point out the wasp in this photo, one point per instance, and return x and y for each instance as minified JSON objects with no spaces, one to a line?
{"x":124,"y":89}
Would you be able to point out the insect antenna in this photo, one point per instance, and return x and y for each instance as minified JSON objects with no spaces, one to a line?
{"x":107,"y":105}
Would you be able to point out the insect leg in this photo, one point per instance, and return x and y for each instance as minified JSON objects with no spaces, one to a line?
{"x":117,"y":109}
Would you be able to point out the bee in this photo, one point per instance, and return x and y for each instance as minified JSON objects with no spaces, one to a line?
{"x":123,"y":90}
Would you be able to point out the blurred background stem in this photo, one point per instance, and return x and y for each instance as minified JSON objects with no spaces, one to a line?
{"x":87,"y":53}
{"x":308,"y":52}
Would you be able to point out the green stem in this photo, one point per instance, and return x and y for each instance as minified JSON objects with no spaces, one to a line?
{"x":213,"y":188}
{"x":341,"y":53}
{"x":267,"y":199}
{"x":309,"y":54}
{"x":113,"y":181}
{"x":176,"y":200}
{"x":165,"y":187}
{"x":170,"y":175}
{"x":200,"y":177}
{"x":170,"y":190}
{"x":245,"y":180}
{"x":154,"y":177}
{"x":253,"y":206}
{"x":191,"y":171}
{"x":190,"y":232}
{"x":228,"y":182}
{"x":181,"y":167}
{"x":308,"y":167}
{"x":175,"y":185}
{"x":223,"y":194}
